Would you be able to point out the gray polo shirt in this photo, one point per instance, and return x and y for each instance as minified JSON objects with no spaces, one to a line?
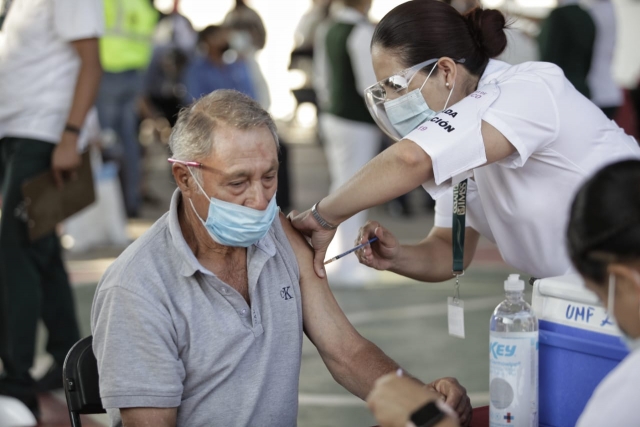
{"x":169,"y":333}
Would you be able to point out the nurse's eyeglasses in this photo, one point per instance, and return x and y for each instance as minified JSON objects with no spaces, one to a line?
{"x":399,"y":81}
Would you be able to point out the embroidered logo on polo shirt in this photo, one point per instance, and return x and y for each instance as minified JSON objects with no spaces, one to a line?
{"x":284,"y":293}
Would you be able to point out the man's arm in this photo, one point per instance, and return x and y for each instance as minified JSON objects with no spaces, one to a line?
{"x":149,"y":417}
{"x":65,"y":157}
{"x":354,"y":362}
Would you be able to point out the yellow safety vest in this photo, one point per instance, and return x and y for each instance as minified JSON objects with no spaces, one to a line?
{"x":126,"y":43}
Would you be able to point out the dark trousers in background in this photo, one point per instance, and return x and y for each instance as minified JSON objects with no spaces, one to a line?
{"x":33,"y":280}
{"x":117,"y":111}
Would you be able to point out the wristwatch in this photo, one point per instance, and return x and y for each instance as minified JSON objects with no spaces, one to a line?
{"x":427,"y":416}
{"x":323,"y":223}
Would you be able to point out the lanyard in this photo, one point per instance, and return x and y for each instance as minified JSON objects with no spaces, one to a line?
{"x":459,"y":215}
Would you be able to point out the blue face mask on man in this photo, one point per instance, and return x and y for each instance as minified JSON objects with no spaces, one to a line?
{"x":235,"y":225}
{"x":410,"y":110}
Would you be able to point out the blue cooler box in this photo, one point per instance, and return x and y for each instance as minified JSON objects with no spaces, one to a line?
{"x":579,"y":346}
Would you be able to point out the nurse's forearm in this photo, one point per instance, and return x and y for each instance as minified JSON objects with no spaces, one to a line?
{"x":431,"y":260}
{"x":394,"y":172}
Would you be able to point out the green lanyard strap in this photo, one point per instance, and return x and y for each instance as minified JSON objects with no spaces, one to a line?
{"x":459,"y":214}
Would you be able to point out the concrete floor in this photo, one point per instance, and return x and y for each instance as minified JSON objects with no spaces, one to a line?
{"x":405,"y":318}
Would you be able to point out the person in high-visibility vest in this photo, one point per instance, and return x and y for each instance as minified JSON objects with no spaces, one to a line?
{"x":125,"y":52}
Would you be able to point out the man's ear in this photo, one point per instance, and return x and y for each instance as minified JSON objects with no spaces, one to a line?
{"x":183,"y":179}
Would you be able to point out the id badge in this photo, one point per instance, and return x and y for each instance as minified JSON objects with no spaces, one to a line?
{"x":455,"y":313}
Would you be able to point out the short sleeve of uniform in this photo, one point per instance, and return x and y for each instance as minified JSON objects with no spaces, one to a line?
{"x":453,"y":140}
{"x":135,"y":345}
{"x":78,"y":19}
{"x":519,"y":107}
{"x":526,"y":114}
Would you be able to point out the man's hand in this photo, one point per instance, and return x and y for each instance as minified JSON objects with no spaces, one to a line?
{"x":393,"y":400}
{"x":320,"y":238}
{"x":381,"y":254}
{"x":65,"y":158}
{"x":455,"y":396}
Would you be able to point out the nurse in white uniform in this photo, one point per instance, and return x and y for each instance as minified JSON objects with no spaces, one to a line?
{"x":519,"y":139}
{"x":604,"y":244}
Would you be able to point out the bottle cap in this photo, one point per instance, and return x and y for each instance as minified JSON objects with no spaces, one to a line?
{"x":513,"y":283}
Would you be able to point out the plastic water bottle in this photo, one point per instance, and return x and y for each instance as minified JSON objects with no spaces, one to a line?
{"x":513,"y":354}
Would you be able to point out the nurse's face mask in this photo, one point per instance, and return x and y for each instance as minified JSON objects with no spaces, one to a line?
{"x":398,"y":117}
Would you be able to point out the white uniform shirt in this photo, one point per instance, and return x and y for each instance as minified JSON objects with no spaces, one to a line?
{"x":615,"y":400}
{"x":522,"y":202}
{"x":38,"y":65}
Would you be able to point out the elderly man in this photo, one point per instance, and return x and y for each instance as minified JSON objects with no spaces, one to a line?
{"x":200,"y":321}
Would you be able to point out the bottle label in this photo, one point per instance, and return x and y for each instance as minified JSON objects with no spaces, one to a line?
{"x":513,"y":386}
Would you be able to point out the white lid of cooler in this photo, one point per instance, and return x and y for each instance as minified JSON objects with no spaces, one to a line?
{"x":570,"y":288}
{"x":565,"y":300}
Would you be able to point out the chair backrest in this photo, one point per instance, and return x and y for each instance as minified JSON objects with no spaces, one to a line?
{"x":81,"y":381}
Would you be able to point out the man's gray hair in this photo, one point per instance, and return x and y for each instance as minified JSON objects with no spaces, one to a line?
{"x":193,"y":135}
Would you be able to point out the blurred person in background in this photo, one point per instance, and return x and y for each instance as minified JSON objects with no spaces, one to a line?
{"x":306,"y":29}
{"x":567,"y":38}
{"x":215,"y":67}
{"x":350,"y":135}
{"x":220,"y":67}
{"x":125,"y":52}
{"x":174,"y":45}
{"x":463,"y":6}
{"x":634,"y":94}
{"x":302,"y":55}
{"x":49,"y":78}
{"x":521,"y":47}
{"x":247,"y":37}
{"x":605,"y":93}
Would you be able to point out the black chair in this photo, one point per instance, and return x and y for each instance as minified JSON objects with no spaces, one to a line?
{"x":80,"y":378}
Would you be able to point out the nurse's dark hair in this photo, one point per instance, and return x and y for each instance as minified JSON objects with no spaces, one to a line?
{"x":604,"y":223}
{"x":420,"y":30}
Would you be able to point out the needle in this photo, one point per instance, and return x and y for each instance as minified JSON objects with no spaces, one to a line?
{"x":362,"y":245}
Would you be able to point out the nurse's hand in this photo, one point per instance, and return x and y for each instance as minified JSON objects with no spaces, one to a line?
{"x":320,"y":238}
{"x":382,"y":253}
